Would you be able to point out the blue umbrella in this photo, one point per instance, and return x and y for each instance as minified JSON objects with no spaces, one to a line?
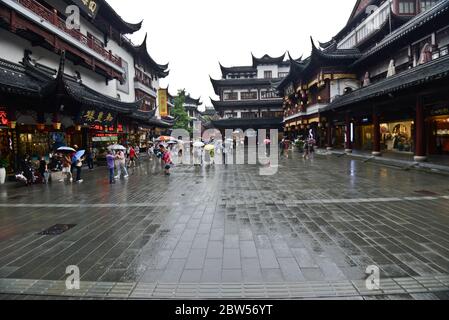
{"x":79,"y":155}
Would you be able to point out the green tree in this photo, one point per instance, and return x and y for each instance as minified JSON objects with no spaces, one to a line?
{"x":180,"y":114}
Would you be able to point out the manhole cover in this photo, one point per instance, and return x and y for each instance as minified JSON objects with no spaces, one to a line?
{"x":426,"y":193}
{"x":57,"y":229}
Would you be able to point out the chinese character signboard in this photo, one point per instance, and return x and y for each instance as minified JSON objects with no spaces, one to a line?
{"x":90,"y":7}
{"x":163,"y":108}
{"x":3,"y":118}
{"x":98,"y":117}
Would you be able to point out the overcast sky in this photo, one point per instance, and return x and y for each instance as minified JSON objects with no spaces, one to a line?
{"x":194,"y":35}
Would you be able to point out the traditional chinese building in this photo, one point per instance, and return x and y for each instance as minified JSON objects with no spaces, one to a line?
{"x":246,"y":98}
{"x":392,"y":96}
{"x":61,"y":85}
{"x":191,"y":106}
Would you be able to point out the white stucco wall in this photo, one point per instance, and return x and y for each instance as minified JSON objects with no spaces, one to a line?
{"x":13,"y":49}
{"x":337,"y":87}
{"x":261,"y":70}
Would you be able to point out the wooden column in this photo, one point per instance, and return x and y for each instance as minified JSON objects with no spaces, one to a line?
{"x":330,"y":127}
{"x":420,"y":139}
{"x":348,"y":134}
{"x":376,"y":134}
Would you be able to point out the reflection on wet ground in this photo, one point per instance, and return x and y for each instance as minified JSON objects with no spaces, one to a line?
{"x":325,"y":219}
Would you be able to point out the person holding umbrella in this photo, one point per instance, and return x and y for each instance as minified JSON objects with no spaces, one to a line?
{"x":121,"y":164}
{"x":110,"y":159}
{"x":166,"y":159}
{"x":77,"y":161}
{"x":67,"y":161}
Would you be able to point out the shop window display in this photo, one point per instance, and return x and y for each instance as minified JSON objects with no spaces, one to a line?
{"x":397,"y":136}
{"x":442,"y":136}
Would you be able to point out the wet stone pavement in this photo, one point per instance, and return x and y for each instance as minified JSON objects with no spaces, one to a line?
{"x":309,"y":231}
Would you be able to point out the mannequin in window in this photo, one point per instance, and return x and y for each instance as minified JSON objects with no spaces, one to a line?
{"x":426,"y":54}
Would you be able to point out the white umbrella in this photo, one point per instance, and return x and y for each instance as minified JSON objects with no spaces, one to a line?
{"x":117,"y":147}
{"x":66,"y":149}
{"x":198,"y":144}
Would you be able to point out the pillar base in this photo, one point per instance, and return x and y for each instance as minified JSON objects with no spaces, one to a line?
{"x":376,"y":153}
{"x":420,"y":158}
{"x":329,"y":148}
{"x":348,"y":150}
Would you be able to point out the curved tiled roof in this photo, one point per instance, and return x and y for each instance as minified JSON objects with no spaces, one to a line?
{"x":15,"y":80}
{"x":429,"y":72}
{"x":142,"y":56}
{"x":266,"y":59}
{"x":242,"y":69}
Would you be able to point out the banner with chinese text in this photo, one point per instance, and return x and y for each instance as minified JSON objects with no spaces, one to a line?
{"x":163,"y":108}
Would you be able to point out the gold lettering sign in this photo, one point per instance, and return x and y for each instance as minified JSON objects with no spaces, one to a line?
{"x":91,"y":7}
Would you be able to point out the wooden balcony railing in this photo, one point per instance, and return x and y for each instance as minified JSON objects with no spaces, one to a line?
{"x":52,"y":17}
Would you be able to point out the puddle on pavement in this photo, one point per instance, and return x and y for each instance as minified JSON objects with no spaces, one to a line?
{"x":57,"y":229}
{"x":426,"y":193}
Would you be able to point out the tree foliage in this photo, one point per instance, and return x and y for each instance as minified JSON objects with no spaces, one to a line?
{"x":180,"y":114}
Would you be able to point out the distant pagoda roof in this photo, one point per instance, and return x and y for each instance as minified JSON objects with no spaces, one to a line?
{"x":143,"y":58}
{"x":193,"y":101}
{"x":210,"y":111}
{"x":267,"y":60}
{"x":237,"y":70}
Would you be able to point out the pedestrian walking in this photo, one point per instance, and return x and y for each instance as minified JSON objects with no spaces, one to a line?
{"x":197,"y":155}
{"x":151,"y":151}
{"x":90,"y":158}
{"x":110,"y":159}
{"x":120,"y":163}
{"x":78,"y":164}
{"x":281,"y":148}
{"x":67,"y":167}
{"x":167,"y":161}
{"x":43,"y":170}
{"x":132,"y":157}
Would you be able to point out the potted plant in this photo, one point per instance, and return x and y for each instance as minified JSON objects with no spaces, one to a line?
{"x":4,"y":164}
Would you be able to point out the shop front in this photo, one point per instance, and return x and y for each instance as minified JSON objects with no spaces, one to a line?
{"x":101,"y":137}
{"x":438,"y":131}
